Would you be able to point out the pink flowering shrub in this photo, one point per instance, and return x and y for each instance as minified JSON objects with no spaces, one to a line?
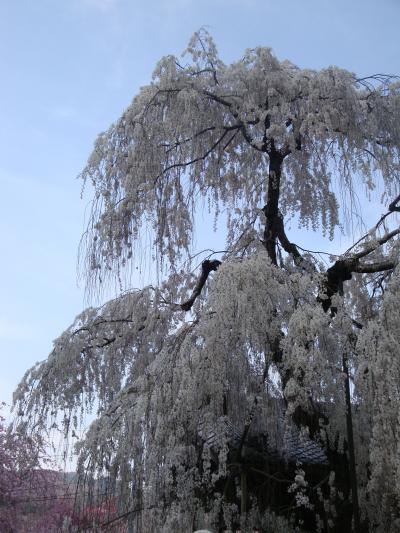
{"x":32,"y":498}
{"x":98,"y":517}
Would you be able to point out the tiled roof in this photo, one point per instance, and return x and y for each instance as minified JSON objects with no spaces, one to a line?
{"x":295,"y":446}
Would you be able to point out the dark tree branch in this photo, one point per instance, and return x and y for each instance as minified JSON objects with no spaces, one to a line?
{"x":343,"y":268}
{"x":101,"y":321}
{"x":107,"y":342}
{"x":393,"y":206}
{"x":207,"y":266}
{"x":195,"y":160}
{"x":371,"y":268}
{"x":370,"y":247}
{"x":288,"y":246}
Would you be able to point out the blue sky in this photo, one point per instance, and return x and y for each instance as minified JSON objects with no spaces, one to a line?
{"x":69,"y":68}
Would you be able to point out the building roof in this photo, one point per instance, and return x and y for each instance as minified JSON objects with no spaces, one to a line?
{"x":294,"y":445}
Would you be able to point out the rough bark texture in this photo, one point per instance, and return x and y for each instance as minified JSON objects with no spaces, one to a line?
{"x":271,"y":209}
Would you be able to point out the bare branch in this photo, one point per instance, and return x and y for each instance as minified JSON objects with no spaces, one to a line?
{"x":370,"y":247}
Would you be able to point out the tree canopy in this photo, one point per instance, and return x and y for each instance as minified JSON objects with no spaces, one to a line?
{"x":254,"y":388}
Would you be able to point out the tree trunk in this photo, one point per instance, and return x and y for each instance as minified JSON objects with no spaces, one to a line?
{"x":271,"y":208}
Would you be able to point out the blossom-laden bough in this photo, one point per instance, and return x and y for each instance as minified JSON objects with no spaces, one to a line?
{"x":200,"y":383}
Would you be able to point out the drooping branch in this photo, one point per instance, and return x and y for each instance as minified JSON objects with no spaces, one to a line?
{"x":100,"y":322}
{"x":391,"y":209}
{"x":201,"y":157}
{"x":207,"y":266}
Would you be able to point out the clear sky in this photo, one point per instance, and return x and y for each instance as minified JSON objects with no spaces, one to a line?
{"x":69,"y":68}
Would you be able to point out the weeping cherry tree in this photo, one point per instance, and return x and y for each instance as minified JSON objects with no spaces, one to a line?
{"x":254,"y":388}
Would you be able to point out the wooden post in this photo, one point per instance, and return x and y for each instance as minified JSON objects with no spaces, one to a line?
{"x":350,"y":442}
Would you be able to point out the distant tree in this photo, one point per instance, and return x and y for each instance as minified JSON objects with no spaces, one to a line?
{"x":35,"y":498}
{"x":28,"y":490}
{"x":261,"y":392}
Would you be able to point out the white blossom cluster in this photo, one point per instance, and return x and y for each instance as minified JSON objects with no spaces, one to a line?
{"x":94,"y":357}
{"x":378,"y":383}
{"x":201,"y":131}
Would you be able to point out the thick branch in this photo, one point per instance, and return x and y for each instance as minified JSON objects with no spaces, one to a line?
{"x":207,"y":266}
{"x":288,"y":246}
{"x":371,"y":268}
{"x":343,"y":269}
